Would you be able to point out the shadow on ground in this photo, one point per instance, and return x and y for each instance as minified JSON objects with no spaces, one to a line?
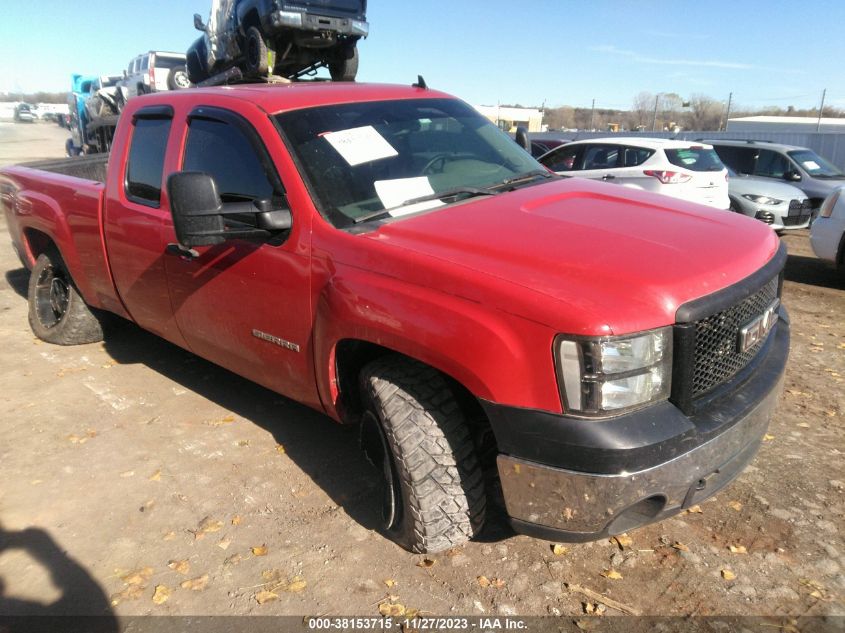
{"x":81,"y":594}
{"x":327,"y":452}
{"x":813,"y":271}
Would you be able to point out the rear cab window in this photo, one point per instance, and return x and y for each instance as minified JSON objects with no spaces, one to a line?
{"x":695,"y":158}
{"x":145,"y":164}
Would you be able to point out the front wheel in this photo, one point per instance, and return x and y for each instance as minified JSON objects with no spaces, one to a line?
{"x":414,"y":433}
{"x":57,"y":312}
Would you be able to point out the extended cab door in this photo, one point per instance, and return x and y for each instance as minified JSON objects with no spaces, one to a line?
{"x":135,"y":218}
{"x":245,"y":304}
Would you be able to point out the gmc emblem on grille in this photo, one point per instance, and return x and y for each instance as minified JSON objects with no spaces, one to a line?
{"x":758,"y":329}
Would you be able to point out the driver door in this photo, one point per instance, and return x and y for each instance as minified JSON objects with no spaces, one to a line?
{"x":244,"y":304}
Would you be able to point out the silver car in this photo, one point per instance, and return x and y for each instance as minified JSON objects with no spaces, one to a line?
{"x":782,"y":206}
{"x":827,"y":236}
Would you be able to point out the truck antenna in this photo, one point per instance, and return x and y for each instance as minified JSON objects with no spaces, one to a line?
{"x":420,"y":83}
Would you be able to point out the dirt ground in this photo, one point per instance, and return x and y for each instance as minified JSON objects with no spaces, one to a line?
{"x":138,"y":479}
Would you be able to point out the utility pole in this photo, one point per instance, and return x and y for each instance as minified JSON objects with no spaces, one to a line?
{"x":728,"y":111}
{"x":821,"y":109}
{"x":654,"y":118}
{"x":592,"y":112}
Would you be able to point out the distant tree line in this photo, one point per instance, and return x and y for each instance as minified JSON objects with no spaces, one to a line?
{"x":34,"y":97}
{"x":699,"y":113}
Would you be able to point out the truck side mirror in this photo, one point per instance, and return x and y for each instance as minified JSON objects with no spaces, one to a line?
{"x":198,"y":23}
{"x":792,"y":176}
{"x":196,"y":208}
{"x":199,"y":213}
{"x":522,"y":138}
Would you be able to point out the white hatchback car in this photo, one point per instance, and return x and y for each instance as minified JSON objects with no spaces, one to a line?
{"x":691,"y":171}
{"x":827,"y":234}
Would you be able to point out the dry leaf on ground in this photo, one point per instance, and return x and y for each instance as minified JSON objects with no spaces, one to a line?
{"x":280,"y":449}
{"x":156,"y":476}
{"x":132,"y":592}
{"x":738,"y":549}
{"x":484,"y":581}
{"x":426,"y":563}
{"x":207,"y":526}
{"x":727,"y":574}
{"x":234,"y":559}
{"x":236,"y":520}
{"x":390,"y":583}
{"x":263,"y":597}
{"x":735,"y":505}
{"x":695,"y":510}
{"x":181,"y":566}
{"x":196,"y":584}
{"x":161,"y":594}
{"x":622,"y":541}
{"x":559,"y":550}
{"x":612,"y":574}
{"x":261,"y":550}
{"x":680,"y":546}
{"x":224,"y":543}
{"x":138,"y":576}
{"x":391,"y":610}
{"x":296,"y":585}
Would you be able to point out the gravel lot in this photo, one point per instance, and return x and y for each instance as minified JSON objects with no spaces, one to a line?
{"x":139,"y":479}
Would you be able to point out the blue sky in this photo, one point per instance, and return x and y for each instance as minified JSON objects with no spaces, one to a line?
{"x":488,"y":51}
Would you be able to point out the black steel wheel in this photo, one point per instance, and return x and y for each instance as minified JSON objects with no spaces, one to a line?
{"x":57,"y":312}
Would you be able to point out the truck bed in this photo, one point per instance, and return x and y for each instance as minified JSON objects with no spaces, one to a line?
{"x":86,"y":167}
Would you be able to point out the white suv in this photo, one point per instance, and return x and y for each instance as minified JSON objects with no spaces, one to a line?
{"x":153,"y":72}
{"x":691,"y":171}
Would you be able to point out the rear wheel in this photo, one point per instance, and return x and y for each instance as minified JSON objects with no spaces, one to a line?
{"x":57,"y":312}
{"x":345,"y":69}
{"x":256,"y":53}
{"x":414,"y":433}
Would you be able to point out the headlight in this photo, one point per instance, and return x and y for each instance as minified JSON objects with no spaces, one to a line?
{"x":605,"y":376}
{"x":761,"y":199}
{"x":360,"y":28}
{"x":288,"y":18}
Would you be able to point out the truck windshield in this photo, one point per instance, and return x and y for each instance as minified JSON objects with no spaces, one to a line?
{"x":815,"y":165}
{"x":363,"y":158}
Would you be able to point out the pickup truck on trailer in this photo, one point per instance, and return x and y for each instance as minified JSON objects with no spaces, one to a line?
{"x":386,"y":255}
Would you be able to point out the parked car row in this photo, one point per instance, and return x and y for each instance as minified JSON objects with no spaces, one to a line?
{"x":781,"y":185}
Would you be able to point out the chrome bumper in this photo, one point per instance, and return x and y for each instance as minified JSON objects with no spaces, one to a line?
{"x":557,"y":503}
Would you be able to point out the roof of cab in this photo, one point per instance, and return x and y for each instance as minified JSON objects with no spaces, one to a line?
{"x":276,"y":98}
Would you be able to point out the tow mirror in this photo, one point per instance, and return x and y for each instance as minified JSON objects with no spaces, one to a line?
{"x":198,"y":23}
{"x":199,"y":213}
{"x":792,"y":176}
{"x":522,"y":139}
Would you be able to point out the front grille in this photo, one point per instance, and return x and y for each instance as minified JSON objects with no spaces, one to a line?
{"x":799,"y":213}
{"x":717,"y":357}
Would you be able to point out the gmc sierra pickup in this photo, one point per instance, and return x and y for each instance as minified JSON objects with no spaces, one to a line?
{"x":386,"y":255}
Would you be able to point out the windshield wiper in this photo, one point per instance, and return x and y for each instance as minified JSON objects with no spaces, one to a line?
{"x":526,"y":177}
{"x":469,"y":192}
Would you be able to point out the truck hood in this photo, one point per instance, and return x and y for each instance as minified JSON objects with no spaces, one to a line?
{"x":587,"y":257}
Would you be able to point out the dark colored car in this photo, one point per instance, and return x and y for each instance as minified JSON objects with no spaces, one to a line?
{"x":289,"y":39}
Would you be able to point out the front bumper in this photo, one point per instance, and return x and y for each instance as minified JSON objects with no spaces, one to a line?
{"x":305,"y":21}
{"x":641,"y":467}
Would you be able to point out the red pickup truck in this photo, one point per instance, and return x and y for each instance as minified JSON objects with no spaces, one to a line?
{"x":603,"y":357}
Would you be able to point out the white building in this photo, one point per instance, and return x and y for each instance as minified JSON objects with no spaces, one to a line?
{"x":784,"y":124}
{"x":509,"y":119}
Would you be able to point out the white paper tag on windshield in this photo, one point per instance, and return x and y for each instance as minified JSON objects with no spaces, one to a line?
{"x":393,"y":193}
{"x":360,"y":145}
{"x":810,"y":165}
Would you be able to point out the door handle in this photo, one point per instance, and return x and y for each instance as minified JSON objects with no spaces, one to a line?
{"x":608,"y":177}
{"x":182,"y":252}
